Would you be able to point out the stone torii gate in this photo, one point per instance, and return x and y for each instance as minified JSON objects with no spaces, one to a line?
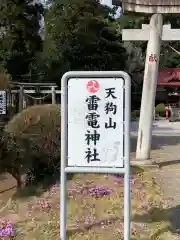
{"x":154,"y":32}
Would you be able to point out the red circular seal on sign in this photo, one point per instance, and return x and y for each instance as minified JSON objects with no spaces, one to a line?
{"x":93,"y":86}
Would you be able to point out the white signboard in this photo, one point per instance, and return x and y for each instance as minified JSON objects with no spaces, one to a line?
{"x":95,"y":122}
{"x":95,"y":131}
{"x":3,"y":103}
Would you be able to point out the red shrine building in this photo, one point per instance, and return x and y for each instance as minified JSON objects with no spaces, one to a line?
{"x":168,"y":86}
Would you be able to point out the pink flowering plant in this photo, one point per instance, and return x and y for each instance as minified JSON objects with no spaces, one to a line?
{"x":7,"y":228}
{"x":95,"y":210}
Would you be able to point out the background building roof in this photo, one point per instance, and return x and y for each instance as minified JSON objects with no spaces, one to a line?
{"x":169,"y":77}
{"x":150,"y":6}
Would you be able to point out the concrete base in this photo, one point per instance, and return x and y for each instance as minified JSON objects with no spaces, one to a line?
{"x":144,"y":163}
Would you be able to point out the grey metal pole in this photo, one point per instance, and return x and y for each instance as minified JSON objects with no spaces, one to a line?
{"x":21,"y":96}
{"x":64,"y":142}
{"x":127,"y":186}
{"x":53,"y":93}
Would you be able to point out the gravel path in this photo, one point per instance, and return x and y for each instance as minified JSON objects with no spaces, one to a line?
{"x":166,"y":152}
{"x":168,"y":176}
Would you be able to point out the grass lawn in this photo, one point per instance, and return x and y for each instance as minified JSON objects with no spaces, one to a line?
{"x":95,"y":210}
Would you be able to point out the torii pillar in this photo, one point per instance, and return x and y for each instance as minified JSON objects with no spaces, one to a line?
{"x":153,"y":33}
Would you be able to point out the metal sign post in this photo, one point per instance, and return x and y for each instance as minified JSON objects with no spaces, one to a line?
{"x":95,"y":131}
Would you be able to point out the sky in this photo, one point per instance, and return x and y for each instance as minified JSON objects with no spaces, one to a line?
{"x":106,"y":2}
{"x":109,"y":4}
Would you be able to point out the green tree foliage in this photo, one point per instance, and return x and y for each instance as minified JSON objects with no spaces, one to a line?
{"x":80,"y":36}
{"x":169,"y":58}
{"x":173,"y":61}
{"x":136,"y":50}
{"x":19,"y":35}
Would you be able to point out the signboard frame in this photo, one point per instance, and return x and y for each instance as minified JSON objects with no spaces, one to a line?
{"x":111,"y":170}
{"x":4,"y":92}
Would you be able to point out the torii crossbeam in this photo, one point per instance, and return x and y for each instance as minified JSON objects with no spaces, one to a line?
{"x":154,"y":33}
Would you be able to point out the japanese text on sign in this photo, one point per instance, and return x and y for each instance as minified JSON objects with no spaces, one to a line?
{"x":97,"y":137}
{"x":92,"y":121}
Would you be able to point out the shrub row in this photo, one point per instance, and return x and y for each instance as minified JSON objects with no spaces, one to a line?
{"x":160,"y":110}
